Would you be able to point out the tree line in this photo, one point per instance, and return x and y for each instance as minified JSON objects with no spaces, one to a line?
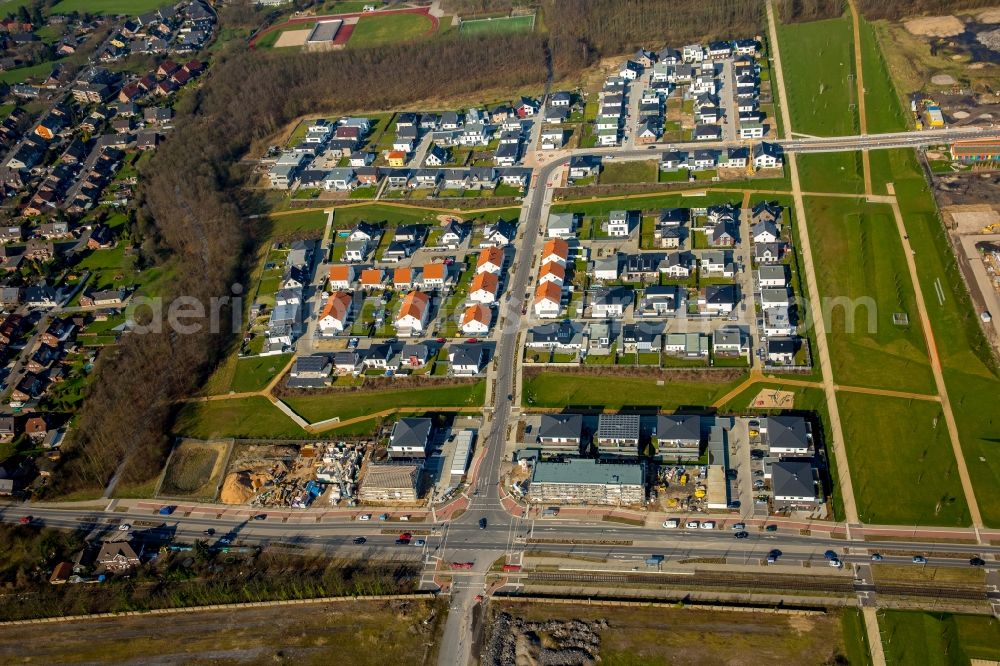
{"x":897,"y":9}
{"x":804,"y":11}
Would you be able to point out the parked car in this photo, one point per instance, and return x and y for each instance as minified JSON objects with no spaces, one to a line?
{"x":739,"y":526}
{"x":836,"y":564}
{"x":771,"y":528}
{"x":708,"y":525}
{"x":260,"y":516}
{"x":671,"y":523}
{"x":692,"y":524}
{"x":365,"y":517}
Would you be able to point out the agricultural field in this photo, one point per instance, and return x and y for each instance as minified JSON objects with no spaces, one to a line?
{"x":498,"y":25}
{"x":352,"y":404}
{"x":613,"y":392}
{"x":342,"y":632}
{"x":859,"y":258}
{"x":195,"y":470}
{"x":818,"y":63}
{"x":938,"y":639}
{"x":831,"y":172}
{"x":127,"y":7}
{"x":899,"y":449}
{"x":653,"y":636}
{"x":389,"y":29}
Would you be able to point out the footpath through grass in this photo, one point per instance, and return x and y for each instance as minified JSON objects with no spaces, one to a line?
{"x":970,"y":371}
{"x":902,"y":466}
{"x":938,"y":639}
{"x":818,"y":64}
{"x":253,"y":417}
{"x":861,"y":269}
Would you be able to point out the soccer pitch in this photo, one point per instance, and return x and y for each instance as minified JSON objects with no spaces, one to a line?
{"x":500,"y":25}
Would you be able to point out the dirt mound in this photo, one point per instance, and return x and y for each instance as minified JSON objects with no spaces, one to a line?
{"x":991,"y":15}
{"x":517,"y":642}
{"x":445,"y":220}
{"x":943,"y":79}
{"x":239,"y":487}
{"x":935,"y":26}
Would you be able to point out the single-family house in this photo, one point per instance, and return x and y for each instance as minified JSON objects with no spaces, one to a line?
{"x":490,"y":260}
{"x":607,"y":303}
{"x":677,"y":437}
{"x":555,"y":249}
{"x":410,"y":438}
{"x":476,"y":319}
{"x":561,"y":225}
{"x":782,"y":350}
{"x":414,"y":313}
{"x":341,"y":277}
{"x":484,"y":288}
{"x":548,"y":300}
{"x":336,"y":313}
{"x":720,"y":298}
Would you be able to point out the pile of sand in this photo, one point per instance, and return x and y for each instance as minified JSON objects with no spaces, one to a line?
{"x":935,"y":26}
{"x":943,"y":79}
{"x":960,"y":115}
{"x":239,"y":487}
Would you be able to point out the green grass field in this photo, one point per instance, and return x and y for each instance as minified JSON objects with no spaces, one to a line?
{"x":308,"y":221}
{"x":242,"y":417}
{"x":818,"y":60}
{"x":859,"y":257}
{"x":831,"y":172}
{"x":882,"y":108}
{"x":554,"y":389}
{"x":348,"y":405}
{"x":970,"y":373}
{"x":389,"y":29}
{"x":630,"y":172}
{"x":902,"y":466}
{"x":128,"y":7}
{"x":938,"y":639}
{"x":605,"y":206}
{"x":22,"y":74}
{"x":254,"y":373}
{"x":498,"y":26}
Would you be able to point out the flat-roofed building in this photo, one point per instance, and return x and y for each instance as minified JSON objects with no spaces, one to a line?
{"x":323,"y":35}
{"x":390,"y":483}
{"x":618,"y":435}
{"x":586,"y":481}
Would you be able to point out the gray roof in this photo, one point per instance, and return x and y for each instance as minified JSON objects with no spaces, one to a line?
{"x":787,"y":432}
{"x":618,"y":426}
{"x":685,"y":427}
{"x":728,"y":336}
{"x":587,"y":471}
{"x":772,"y":273}
{"x":310,"y":363}
{"x":791,"y":478}
{"x":561,"y":426}
{"x":410,"y":432}
{"x":466,"y":354}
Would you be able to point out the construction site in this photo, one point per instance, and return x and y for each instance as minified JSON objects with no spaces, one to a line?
{"x":292,"y":476}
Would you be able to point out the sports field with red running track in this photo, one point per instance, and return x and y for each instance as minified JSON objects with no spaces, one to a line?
{"x":345,"y":31}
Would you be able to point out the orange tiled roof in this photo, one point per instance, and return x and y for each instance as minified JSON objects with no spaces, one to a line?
{"x":371,"y":276}
{"x":435,"y":271}
{"x":556,"y":246}
{"x":337,"y":305}
{"x":415,"y":304}
{"x":340,"y":273}
{"x":548,"y":290}
{"x":490,"y":255}
{"x":479,"y":313}
{"x":552,"y":268}
{"x":486,"y":281}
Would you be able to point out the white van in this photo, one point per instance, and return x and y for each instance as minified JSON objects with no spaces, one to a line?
{"x":708,"y":525}
{"x":671,"y":523}
{"x":692,"y":524}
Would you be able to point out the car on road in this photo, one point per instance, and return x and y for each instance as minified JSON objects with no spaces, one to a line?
{"x":365,"y":517}
{"x":405,"y":535}
{"x":738,"y":527}
{"x":741,"y":535}
{"x":402,"y":542}
{"x":771,"y":528}
{"x":773,"y":556}
{"x":359,"y":540}
{"x":353,"y":343}
{"x":260,"y":516}
{"x":510,"y":396}
{"x":25,"y":520}
{"x":420,"y":542}
{"x":731,"y":474}
{"x":209,"y":532}
{"x":472,"y":341}
{"x":441,"y":340}
{"x":671,"y":523}
{"x":482,"y":523}
{"x":977,"y":562}
{"x":836,"y":564}
{"x":225,"y":541}
{"x":708,"y":525}
{"x":919,"y":559}
{"x":830,"y":555}
{"x":692,"y":524}
{"x":124,"y":527}
{"x":876,"y":557}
